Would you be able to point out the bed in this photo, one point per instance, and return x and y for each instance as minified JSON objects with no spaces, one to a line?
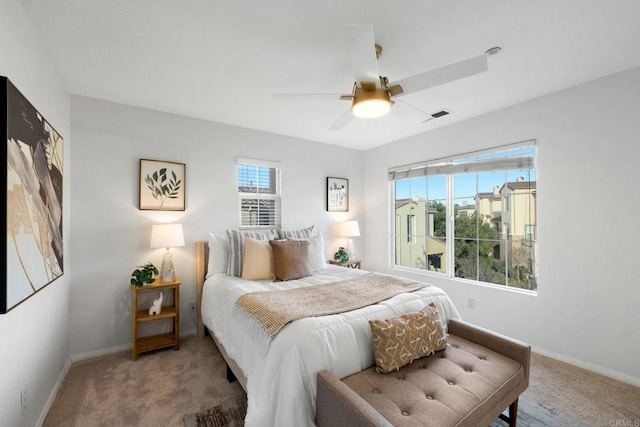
{"x":279,"y":375}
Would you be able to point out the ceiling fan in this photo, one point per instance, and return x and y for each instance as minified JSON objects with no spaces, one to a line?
{"x":374,"y":95}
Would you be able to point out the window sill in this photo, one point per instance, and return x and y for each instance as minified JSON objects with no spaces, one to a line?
{"x":443,"y":276}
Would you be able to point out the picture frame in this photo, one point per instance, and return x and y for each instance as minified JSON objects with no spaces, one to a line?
{"x":337,"y":194}
{"x":162,"y":185}
{"x":33,"y":206}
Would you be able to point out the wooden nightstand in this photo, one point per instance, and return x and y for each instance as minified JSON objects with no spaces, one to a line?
{"x":171,"y":339}
{"x":352,"y":263}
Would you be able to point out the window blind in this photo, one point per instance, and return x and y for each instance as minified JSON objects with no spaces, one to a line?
{"x":468,"y":163}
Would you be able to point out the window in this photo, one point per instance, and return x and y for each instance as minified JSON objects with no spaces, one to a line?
{"x":258,"y":194}
{"x":475,"y":216}
{"x":411,"y":226}
{"x":529,"y":232}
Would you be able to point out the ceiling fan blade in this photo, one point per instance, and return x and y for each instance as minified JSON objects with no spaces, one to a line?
{"x":409,"y":112}
{"x":446,"y":74}
{"x":307,"y":96}
{"x":342,"y":121}
{"x":362,"y":53}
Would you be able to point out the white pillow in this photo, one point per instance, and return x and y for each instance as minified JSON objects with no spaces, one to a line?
{"x":218,"y":254}
{"x":315,"y":258}
{"x":258,"y":260}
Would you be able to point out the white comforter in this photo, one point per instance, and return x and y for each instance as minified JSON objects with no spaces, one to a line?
{"x":281,"y":384}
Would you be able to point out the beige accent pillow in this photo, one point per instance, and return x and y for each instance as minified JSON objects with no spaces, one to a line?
{"x":290,"y":259}
{"x":257,"y":262}
{"x":401,"y":340}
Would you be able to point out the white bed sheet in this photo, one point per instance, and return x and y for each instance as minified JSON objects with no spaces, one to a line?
{"x":281,"y":384}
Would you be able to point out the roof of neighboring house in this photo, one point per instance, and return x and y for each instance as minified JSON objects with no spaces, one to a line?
{"x":403,"y":202}
{"x":466,"y":207}
{"x":488,"y":196}
{"x":520,"y":185}
{"x":252,"y":190}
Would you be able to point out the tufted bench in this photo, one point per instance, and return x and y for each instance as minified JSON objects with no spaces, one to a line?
{"x":469,"y":383}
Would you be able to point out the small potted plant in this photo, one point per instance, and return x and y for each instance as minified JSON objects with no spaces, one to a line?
{"x":341,"y":256}
{"x":143,"y":275}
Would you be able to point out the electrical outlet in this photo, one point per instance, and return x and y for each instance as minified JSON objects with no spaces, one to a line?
{"x":23,"y":401}
{"x":471,"y":303}
{"x":192,"y":306}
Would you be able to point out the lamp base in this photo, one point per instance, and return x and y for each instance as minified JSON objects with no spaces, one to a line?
{"x":350,"y":250}
{"x":167,"y":272}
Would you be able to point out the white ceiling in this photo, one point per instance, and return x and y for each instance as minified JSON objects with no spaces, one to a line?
{"x":221,"y":60}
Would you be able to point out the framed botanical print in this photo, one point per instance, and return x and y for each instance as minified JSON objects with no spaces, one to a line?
{"x":337,"y":194}
{"x":162,"y":185}
{"x":33,"y":250}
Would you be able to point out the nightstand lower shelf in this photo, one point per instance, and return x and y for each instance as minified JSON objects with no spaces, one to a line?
{"x":154,"y":342}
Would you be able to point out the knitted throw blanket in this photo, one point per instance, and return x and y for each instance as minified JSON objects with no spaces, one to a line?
{"x":267,"y":313}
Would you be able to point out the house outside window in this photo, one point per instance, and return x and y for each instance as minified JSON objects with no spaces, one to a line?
{"x":479,"y":216}
{"x":259,"y":194}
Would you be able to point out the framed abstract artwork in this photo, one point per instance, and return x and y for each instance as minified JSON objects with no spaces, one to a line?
{"x":33,"y":252}
{"x":337,"y":194}
{"x":162,"y":185}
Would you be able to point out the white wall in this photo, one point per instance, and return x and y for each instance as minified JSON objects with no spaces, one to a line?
{"x":110,"y":236}
{"x":587,"y":308}
{"x":35,"y":334}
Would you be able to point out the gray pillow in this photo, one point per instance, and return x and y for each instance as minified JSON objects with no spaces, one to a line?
{"x":303,"y":233}
{"x":236,"y":247}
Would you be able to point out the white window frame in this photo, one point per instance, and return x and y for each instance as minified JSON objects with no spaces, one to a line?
{"x":277,"y":197}
{"x":446,"y":167}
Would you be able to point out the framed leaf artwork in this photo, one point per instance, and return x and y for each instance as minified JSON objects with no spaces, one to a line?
{"x":33,"y":207}
{"x":162,"y":185}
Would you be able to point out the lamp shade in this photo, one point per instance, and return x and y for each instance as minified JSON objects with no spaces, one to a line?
{"x":349,"y":229}
{"x":166,"y":236}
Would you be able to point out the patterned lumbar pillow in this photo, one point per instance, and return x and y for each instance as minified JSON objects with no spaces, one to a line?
{"x":401,"y":340}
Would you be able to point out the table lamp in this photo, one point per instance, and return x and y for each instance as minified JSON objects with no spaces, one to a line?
{"x":350,"y":229}
{"x":167,"y":236}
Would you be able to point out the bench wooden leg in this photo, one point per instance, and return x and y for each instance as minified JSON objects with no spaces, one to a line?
{"x":513,"y":414}
{"x":231,"y":376}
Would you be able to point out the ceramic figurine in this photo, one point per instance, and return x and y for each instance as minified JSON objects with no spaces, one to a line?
{"x":156,"y":307}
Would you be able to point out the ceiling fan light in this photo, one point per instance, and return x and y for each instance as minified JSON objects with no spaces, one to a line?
{"x":369,"y":104}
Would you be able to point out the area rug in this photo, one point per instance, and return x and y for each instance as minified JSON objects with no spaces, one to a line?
{"x":531,"y":413}
{"x":229,"y":413}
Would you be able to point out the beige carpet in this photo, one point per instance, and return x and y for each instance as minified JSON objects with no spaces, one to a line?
{"x":161,"y":388}
{"x":157,"y":390}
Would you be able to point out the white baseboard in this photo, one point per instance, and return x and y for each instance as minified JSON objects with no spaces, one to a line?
{"x":98,"y":353}
{"x":54,"y":393}
{"x":116,"y":349}
{"x":588,"y":366}
{"x":187,"y":333}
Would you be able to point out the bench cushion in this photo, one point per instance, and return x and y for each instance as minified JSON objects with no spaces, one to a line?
{"x":457,"y":386}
